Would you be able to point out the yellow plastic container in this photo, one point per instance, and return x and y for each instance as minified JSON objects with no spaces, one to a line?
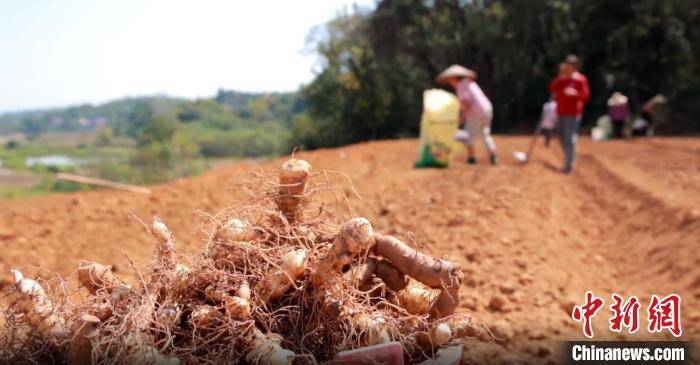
{"x":438,"y":125}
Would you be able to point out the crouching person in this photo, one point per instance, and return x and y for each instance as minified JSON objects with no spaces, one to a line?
{"x":476,"y":111}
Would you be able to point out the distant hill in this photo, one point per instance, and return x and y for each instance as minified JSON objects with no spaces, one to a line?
{"x":78,"y":117}
{"x":155,"y":138}
{"x":118,"y":114}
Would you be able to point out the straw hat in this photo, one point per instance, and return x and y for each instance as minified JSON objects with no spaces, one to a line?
{"x":617,"y":99}
{"x":455,"y":71}
{"x":659,"y":98}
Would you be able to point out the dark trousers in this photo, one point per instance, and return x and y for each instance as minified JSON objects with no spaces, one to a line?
{"x":547,"y":136}
{"x":618,"y":126}
{"x":640,"y":132}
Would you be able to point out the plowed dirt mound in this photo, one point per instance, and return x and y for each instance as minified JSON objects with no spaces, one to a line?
{"x":531,"y":240}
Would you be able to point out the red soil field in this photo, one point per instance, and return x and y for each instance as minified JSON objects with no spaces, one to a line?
{"x":531,"y":240}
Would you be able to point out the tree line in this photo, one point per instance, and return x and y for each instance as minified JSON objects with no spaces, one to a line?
{"x":376,"y":64}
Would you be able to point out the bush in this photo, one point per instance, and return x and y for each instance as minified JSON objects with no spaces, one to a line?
{"x":105,"y":136}
{"x":307,"y":133}
{"x":158,"y":130}
{"x":245,"y":142}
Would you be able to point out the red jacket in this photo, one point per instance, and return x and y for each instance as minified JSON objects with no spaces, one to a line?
{"x":570,"y":105}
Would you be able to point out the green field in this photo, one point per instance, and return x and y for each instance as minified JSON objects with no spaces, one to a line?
{"x":141,"y":140}
{"x":20,"y":177}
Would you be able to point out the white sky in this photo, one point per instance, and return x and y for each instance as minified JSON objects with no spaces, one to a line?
{"x":56,"y":53}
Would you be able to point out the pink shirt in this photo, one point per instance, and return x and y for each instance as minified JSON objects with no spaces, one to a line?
{"x":618,"y":112}
{"x":474,"y":103}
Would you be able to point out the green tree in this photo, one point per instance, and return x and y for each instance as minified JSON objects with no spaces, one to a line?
{"x":160,"y":129}
{"x":141,"y":114}
{"x":153,"y":161}
{"x":33,"y":126}
{"x":376,"y":64}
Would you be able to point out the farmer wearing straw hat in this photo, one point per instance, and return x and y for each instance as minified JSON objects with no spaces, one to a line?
{"x":618,"y":111}
{"x":648,"y":115}
{"x":476,"y":110}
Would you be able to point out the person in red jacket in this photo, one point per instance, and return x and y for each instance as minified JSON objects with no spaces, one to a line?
{"x":570,"y":89}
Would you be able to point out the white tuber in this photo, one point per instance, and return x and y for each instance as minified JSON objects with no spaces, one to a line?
{"x":236,"y":230}
{"x":438,"y":335}
{"x":243,"y":291}
{"x":290,"y":198}
{"x":236,"y":306}
{"x":281,"y":279}
{"x":374,"y":328}
{"x":98,"y":278}
{"x":416,"y":298}
{"x":354,"y":237}
{"x":31,"y":300}
{"x":141,"y":353}
{"x":165,"y":249}
{"x":266,"y":349}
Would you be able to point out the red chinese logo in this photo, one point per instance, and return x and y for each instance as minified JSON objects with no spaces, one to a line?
{"x":665,"y":314}
{"x":626,"y":315}
{"x":586,"y":312}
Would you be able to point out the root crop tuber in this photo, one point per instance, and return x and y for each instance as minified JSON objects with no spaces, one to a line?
{"x":373,"y":328}
{"x":464,"y":325}
{"x":139,"y":352}
{"x":325,"y":286}
{"x":446,"y":302}
{"x":417,"y":298}
{"x":354,"y":237}
{"x":433,"y":272}
{"x":98,"y":278}
{"x":361,"y":275}
{"x":31,"y":300}
{"x":358,"y":276}
{"x":165,"y":249}
{"x":83,"y":329}
{"x":290,"y":197}
{"x":237,"y":307}
{"x":235,"y":230}
{"x":165,"y":263}
{"x":266,"y":349}
{"x":391,"y":276}
{"x":243,"y":291}
{"x":438,"y":335}
{"x":281,"y":279}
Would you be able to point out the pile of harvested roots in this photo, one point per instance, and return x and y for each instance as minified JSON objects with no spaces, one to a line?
{"x":281,"y":280}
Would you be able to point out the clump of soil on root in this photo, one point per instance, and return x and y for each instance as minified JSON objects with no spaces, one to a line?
{"x":289,"y":275}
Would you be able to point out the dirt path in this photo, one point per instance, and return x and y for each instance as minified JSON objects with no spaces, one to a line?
{"x":530,"y":239}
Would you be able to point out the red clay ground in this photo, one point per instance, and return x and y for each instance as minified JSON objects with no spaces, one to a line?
{"x":530,"y":239}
